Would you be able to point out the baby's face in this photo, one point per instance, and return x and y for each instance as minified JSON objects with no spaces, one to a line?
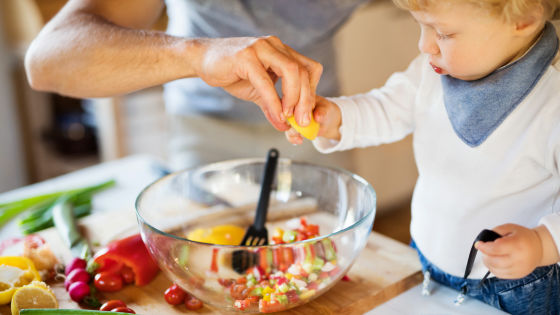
{"x":466,"y":42}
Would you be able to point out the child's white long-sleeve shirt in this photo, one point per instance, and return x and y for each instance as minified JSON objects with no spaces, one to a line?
{"x":512,"y":177}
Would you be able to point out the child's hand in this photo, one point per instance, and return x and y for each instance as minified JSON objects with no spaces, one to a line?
{"x":517,"y":253}
{"x":327,"y":114}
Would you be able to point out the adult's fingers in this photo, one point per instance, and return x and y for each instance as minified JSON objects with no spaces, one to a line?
{"x":264,"y":86}
{"x":304,"y":107}
{"x":275,"y":57}
{"x":314,"y":69}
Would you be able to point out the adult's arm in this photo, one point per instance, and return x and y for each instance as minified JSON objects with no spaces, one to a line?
{"x":99,"y":48}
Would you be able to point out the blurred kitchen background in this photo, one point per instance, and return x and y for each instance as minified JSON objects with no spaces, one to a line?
{"x":43,"y":135}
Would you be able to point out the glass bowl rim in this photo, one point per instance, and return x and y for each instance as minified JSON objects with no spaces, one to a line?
{"x":354,"y":176}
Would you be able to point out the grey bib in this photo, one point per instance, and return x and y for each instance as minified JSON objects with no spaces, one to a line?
{"x":476,"y":108}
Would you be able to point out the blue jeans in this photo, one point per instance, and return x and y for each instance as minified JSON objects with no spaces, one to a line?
{"x":537,"y":293}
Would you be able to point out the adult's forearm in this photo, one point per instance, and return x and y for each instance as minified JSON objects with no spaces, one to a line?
{"x":83,"y":55}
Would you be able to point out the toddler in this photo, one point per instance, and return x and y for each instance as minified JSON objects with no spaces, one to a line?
{"x":483,"y":103}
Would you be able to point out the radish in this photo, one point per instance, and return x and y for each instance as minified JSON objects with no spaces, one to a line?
{"x":78,"y":274}
{"x":75,"y":263}
{"x":78,"y":290}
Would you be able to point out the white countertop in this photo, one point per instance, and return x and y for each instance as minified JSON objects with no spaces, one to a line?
{"x":440,"y":302}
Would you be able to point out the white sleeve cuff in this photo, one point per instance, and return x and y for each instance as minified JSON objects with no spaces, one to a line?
{"x":552,"y":223}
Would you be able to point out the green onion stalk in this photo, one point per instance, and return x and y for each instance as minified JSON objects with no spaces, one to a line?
{"x":40,"y":207}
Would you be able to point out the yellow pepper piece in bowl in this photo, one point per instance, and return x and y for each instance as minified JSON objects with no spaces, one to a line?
{"x":220,"y":235}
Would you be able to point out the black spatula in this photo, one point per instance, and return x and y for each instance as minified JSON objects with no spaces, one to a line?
{"x":256,"y":234}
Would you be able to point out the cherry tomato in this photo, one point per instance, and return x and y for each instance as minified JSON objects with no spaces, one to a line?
{"x":108,"y":282}
{"x":193,"y":303}
{"x":128,"y":275}
{"x":111,"y":304}
{"x":174,"y":295}
{"x":123,"y":309}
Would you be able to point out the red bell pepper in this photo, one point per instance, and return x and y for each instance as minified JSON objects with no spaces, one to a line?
{"x":130,"y":252}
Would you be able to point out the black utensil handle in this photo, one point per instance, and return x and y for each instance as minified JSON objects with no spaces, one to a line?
{"x":266,"y":187}
{"x":484,"y":236}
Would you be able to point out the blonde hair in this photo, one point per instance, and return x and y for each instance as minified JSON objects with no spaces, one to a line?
{"x":509,"y":10}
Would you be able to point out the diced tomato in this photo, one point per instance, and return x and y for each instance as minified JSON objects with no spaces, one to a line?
{"x":242,"y":304}
{"x":281,"y":280}
{"x":259,"y":273}
{"x":241,"y":280}
{"x":270,"y":306}
{"x":278,"y":259}
{"x":263,"y":259}
{"x":289,"y":256}
{"x":312,"y":230}
{"x":214,"y":264}
{"x":277,"y":240}
{"x":312,"y":285}
{"x":226,"y":283}
{"x":239,"y":291}
{"x":292,"y":296}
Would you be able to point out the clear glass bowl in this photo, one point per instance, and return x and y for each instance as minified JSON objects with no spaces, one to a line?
{"x":264,"y":278}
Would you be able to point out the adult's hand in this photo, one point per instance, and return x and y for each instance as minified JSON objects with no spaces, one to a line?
{"x":248,"y":67}
{"x":100,"y":48}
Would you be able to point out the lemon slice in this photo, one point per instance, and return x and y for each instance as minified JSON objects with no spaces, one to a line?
{"x":15,"y":271}
{"x":34,"y":295}
{"x":310,"y":131}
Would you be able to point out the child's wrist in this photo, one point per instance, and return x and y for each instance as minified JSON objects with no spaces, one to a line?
{"x":549,"y":252}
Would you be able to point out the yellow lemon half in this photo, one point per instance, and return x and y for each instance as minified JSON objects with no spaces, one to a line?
{"x":310,"y":131}
{"x":34,"y":295}
{"x":220,"y":235}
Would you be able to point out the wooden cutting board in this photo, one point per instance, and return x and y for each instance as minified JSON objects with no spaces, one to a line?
{"x":384,"y":269}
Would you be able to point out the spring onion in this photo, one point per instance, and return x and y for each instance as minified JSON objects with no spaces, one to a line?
{"x":40,"y":207}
